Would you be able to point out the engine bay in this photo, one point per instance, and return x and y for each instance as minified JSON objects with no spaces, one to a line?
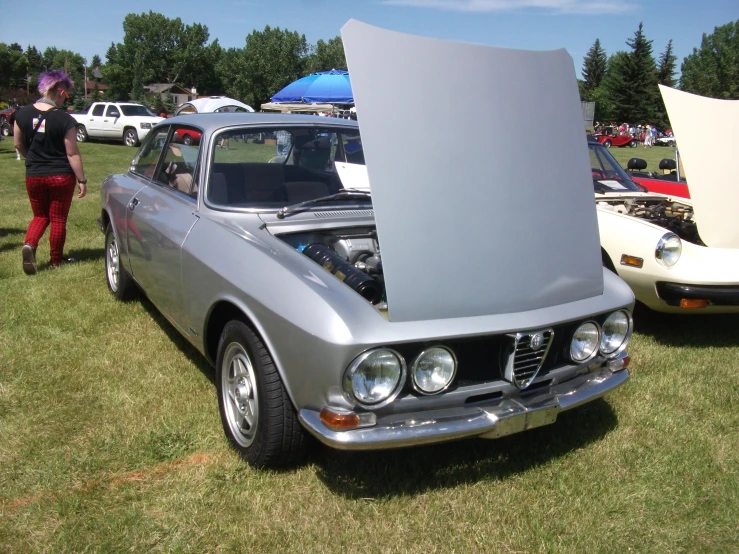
{"x":352,"y":255}
{"x":666,"y":213}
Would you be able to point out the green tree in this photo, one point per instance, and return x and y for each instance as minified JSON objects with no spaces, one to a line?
{"x":155,"y":49}
{"x":593,"y":69}
{"x":325,"y":56}
{"x":12,"y":66}
{"x":713,"y":70}
{"x":96,"y":61}
{"x":272,"y":59}
{"x":666,"y":68}
{"x":631,"y":82}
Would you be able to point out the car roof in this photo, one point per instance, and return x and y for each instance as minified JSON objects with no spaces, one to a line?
{"x":211,"y":122}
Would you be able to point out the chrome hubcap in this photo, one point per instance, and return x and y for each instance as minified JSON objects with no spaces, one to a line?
{"x":112,"y":262}
{"x":240,"y":400}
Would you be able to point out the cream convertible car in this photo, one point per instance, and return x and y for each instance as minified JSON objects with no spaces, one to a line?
{"x":273,"y":270}
{"x":653,"y":242}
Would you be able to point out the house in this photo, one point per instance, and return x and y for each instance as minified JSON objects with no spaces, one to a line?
{"x":90,"y":88}
{"x":179,"y":94}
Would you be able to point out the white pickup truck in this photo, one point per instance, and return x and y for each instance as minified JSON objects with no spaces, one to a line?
{"x":115,"y":120}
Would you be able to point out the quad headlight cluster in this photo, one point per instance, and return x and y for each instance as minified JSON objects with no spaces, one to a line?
{"x":610,"y":339}
{"x":377,"y":376}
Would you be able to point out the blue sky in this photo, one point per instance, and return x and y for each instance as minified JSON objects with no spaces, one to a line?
{"x":88,"y":27}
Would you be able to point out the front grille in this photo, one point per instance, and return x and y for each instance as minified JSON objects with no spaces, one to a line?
{"x":525,"y":356}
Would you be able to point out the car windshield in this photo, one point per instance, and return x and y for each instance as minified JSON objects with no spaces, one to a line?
{"x":133,"y":109}
{"x":608,"y":175}
{"x":277,"y":167}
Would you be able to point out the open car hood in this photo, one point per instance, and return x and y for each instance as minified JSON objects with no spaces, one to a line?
{"x":462,"y":231}
{"x":711,"y":165}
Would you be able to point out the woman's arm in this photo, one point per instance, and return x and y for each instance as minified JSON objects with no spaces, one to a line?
{"x":75,"y":160}
{"x":19,"y":141}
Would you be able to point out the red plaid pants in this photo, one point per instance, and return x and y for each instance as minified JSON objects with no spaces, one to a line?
{"x":51,"y":198}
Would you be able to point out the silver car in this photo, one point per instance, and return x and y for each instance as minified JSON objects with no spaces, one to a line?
{"x":259,"y":243}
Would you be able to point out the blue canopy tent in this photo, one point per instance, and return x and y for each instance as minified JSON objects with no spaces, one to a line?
{"x":332,"y":87}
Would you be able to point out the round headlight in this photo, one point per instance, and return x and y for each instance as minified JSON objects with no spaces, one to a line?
{"x":669,"y":249}
{"x":433,"y":370}
{"x":585,"y":342}
{"x":615,"y":333}
{"x":375,"y":377}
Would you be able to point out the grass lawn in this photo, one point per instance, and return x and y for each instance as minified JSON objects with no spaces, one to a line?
{"x":110,"y":439}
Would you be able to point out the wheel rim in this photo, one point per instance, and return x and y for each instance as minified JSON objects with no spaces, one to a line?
{"x":112,"y":262}
{"x":239,"y":394}
{"x":187,"y":140}
{"x":81,"y":135}
{"x":130,"y":139}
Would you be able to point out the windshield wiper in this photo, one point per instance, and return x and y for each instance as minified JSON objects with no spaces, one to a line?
{"x":349,"y":193}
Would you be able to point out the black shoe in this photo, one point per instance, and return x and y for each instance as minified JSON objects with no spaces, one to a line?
{"x":28,"y":253}
{"x":65,"y":261}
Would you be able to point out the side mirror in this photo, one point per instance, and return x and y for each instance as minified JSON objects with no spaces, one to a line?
{"x":115,"y":114}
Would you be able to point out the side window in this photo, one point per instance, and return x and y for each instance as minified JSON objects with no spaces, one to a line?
{"x":180,"y":161}
{"x":98,"y":110}
{"x":112,"y":111}
{"x":315,"y":151}
{"x":146,"y":159}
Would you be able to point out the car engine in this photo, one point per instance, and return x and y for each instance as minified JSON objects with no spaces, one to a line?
{"x":672,"y":216}
{"x":351,"y":255}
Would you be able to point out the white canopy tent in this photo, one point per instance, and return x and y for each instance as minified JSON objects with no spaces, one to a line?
{"x":213,"y":104}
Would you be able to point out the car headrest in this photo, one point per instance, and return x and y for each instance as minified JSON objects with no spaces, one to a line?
{"x":637,"y":164}
{"x":667,"y":163}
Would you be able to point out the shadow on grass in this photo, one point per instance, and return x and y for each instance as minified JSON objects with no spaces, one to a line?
{"x":11,"y":246}
{"x":377,"y":474}
{"x":701,"y":331}
{"x":6,"y":232}
{"x":176,"y":337}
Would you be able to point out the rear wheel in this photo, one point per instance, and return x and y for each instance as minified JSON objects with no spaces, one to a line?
{"x":187,"y":139}
{"x":120,"y":283}
{"x":5,"y":129}
{"x":257,"y":415}
{"x":633,"y":144}
{"x":130,"y":138}
{"x":607,"y":143}
{"x":82,"y":134}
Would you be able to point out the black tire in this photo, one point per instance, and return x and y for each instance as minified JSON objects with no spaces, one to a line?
{"x":607,"y":143}
{"x":130,"y":137}
{"x":257,"y":415}
{"x":120,"y":282}
{"x":187,"y":139}
{"x":633,"y":144}
{"x":671,"y":144}
{"x":5,"y":129}
{"x":82,"y":135}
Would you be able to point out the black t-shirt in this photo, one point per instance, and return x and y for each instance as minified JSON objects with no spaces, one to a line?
{"x":45,"y":151}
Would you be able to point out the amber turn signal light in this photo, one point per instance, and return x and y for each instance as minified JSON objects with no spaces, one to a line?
{"x":633,"y":261}
{"x":693,"y":302}
{"x":339,"y":421}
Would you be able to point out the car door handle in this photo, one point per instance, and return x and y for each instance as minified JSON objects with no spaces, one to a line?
{"x":133,"y":203}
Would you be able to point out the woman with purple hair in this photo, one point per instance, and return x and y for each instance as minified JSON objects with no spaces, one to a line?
{"x":46,"y":136}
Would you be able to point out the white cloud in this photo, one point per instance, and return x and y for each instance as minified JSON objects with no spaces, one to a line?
{"x":588,"y":7}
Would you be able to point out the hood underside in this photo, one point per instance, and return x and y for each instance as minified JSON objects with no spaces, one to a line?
{"x":711,"y":165}
{"x":462,"y":231}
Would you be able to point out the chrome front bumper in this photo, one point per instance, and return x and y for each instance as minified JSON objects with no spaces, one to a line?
{"x":487,"y":421}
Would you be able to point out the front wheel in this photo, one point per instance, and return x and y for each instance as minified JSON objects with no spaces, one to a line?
{"x":120,"y":283}
{"x":257,"y":415}
{"x":633,"y":144}
{"x":130,"y":138}
{"x":607,"y":144}
{"x":82,"y":135}
{"x":187,"y":139}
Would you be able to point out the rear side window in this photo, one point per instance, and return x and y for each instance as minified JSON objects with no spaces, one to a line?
{"x":98,"y":110}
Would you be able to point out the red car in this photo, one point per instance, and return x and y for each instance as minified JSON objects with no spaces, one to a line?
{"x":654,"y":182}
{"x":187,"y":136}
{"x":5,"y":123}
{"x":608,"y":136}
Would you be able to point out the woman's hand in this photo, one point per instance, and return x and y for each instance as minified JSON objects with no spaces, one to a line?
{"x":83,"y":190}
